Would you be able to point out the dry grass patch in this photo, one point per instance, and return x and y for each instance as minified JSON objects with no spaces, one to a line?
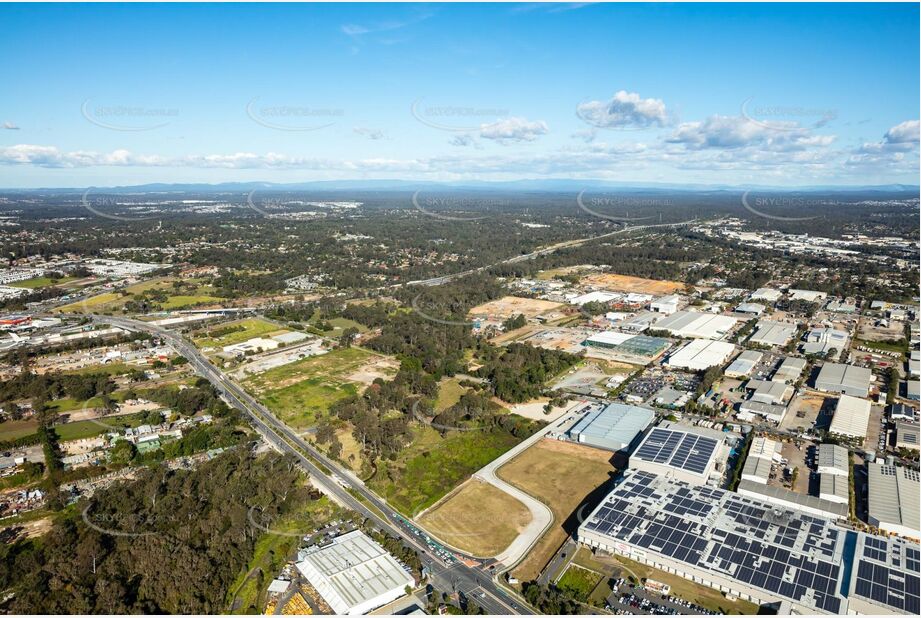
{"x":626,"y":283}
{"x":562,"y":475}
{"x":477,"y":518}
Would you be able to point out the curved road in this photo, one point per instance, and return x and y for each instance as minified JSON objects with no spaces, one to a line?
{"x":339,"y":484}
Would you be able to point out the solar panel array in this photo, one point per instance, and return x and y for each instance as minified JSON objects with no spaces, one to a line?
{"x":783,"y":552}
{"x":887,"y":572}
{"x":678,"y":449}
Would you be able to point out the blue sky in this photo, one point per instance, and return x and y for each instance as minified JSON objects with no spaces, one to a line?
{"x":723,"y":93}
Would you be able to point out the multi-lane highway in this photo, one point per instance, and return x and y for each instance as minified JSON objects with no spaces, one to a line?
{"x":474,"y":582}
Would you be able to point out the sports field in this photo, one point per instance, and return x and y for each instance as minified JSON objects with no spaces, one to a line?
{"x":477,"y":518}
{"x":561,"y":475}
{"x":298,"y":392}
{"x":626,"y":283}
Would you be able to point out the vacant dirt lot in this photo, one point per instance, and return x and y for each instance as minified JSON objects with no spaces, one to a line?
{"x":477,"y":518}
{"x":561,"y":475}
{"x":509,"y":306}
{"x":626,"y":283}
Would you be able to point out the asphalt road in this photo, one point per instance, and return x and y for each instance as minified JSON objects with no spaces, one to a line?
{"x":474,"y":582}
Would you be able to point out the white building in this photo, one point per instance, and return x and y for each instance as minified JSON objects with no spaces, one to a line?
{"x":766,"y":294}
{"x":893,"y":499}
{"x":667,"y":304}
{"x":697,"y":325}
{"x":701,"y":354}
{"x":852,"y":417}
{"x":354,"y":574}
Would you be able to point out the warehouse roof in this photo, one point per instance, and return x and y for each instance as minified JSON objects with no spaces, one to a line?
{"x":834,"y":457}
{"x":907,"y":434}
{"x":352,"y":571}
{"x":790,"y":369}
{"x":613,"y":426}
{"x":773,"y":333}
{"x":852,"y":417}
{"x":834,"y":485}
{"x":768,"y":391}
{"x":696,"y":324}
{"x":893,"y":495}
{"x":886,"y":572}
{"x":757,"y":467}
{"x":763,"y":448}
{"x":700,"y":354}
{"x":838,"y":375}
{"x":743,"y":364}
{"x":780,"y":495}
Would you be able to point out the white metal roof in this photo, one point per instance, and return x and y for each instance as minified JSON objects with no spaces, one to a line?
{"x":852,"y":417}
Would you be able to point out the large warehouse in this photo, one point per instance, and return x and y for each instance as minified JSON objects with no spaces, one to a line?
{"x":696,"y":325}
{"x":894,"y":499}
{"x":681,"y":453}
{"x":613,"y":427}
{"x":847,"y":379}
{"x":701,"y":354}
{"x":354,"y":574}
{"x":852,"y":417}
{"x":773,"y":333}
{"x":885,"y":577}
{"x":746,"y":547}
{"x":742,"y":546}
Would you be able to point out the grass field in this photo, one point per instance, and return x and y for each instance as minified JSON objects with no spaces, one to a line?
{"x":432,"y":466}
{"x":561,"y":475}
{"x":41,"y":282}
{"x":88,"y":429}
{"x":618,"y":566}
{"x":191,"y":294}
{"x":579,"y":582}
{"x":251,"y":327}
{"x":477,"y":518}
{"x":449,"y":393}
{"x":247,"y":594}
{"x":298,"y":392}
{"x":10,"y":430}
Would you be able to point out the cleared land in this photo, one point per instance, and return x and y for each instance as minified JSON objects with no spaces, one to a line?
{"x":237,"y":332}
{"x":189,"y":293}
{"x":298,"y":392}
{"x":579,"y":582}
{"x":561,"y":475}
{"x":432,"y":465}
{"x":509,"y":306}
{"x":449,"y":393}
{"x":626,"y":283}
{"x":41,"y":282}
{"x":477,"y":518}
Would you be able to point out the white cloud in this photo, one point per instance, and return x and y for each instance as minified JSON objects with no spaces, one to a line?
{"x":625,"y":110}
{"x":897,"y":151}
{"x":904,"y":133}
{"x":10,"y":126}
{"x":373,"y":134}
{"x":734,"y":132}
{"x":514,"y":130}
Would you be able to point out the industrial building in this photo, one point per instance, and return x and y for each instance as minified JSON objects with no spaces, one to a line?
{"x":353,"y":573}
{"x":766,"y":294}
{"x":667,"y":304}
{"x":810,"y":296}
{"x":821,"y":341}
{"x":790,"y":370}
{"x":751,"y":308}
{"x":770,"y":411}
{"x":782,"y":497}
{"x":913,"y":390}
{"x":893,"y":499}
{"x":907,"y":435}
{"x":846,"y":379}
{"x":682,"y":453}
{"x":762,"y":454}
{"x":884,"y":577}
{"x":768,"y":391}
{"x":746,"y":547}
{"x":612,"y":427}
{"x":772,"y":333}
{"x":696,"y":325}
{"x":743,"y":364}
{"x":852,"y":417}
{"x":832,"y":459}
{"x":901,"y":412}
{"x":701,"y":354}
{"x":596,"y":297}
{"x":834,"y":488}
